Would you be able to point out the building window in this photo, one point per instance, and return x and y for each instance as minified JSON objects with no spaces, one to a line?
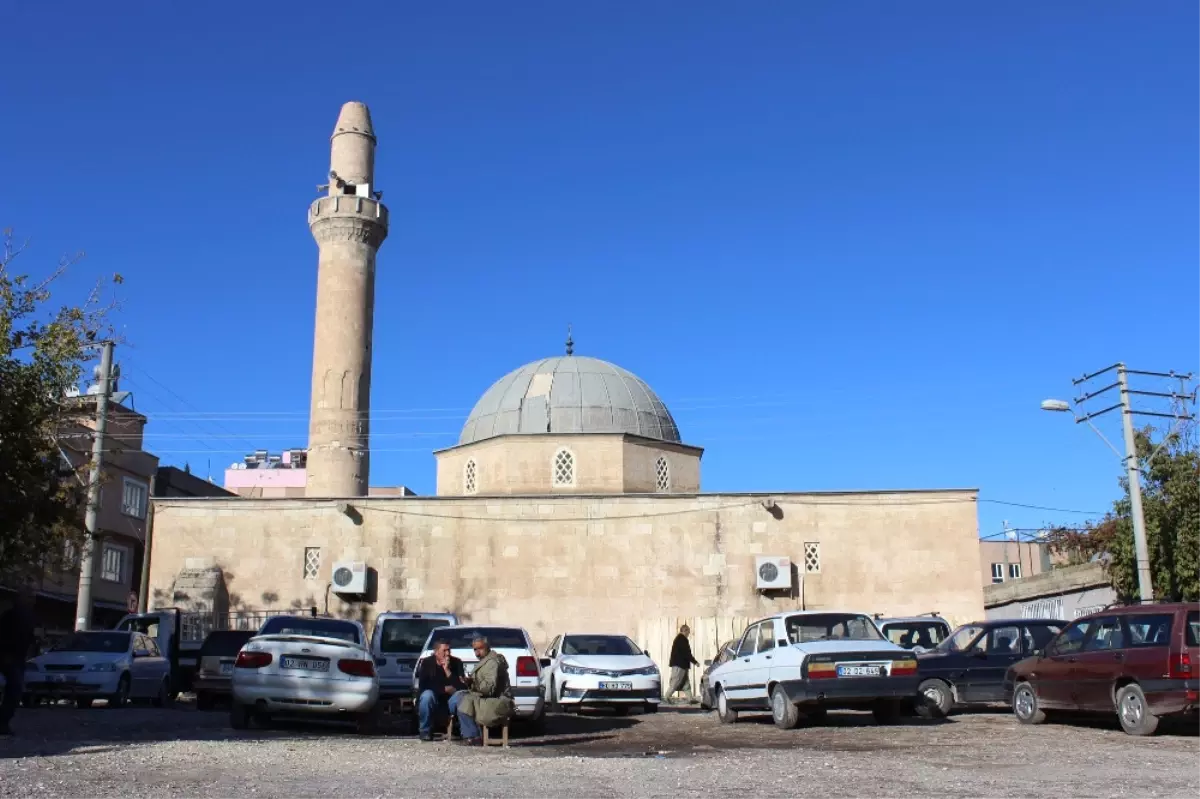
{"x":1014,"y":571}
{"x":470,"y":478}
{"x":564,"y":468}
{"x":812,"y":557}
{"x":113,"y":563}
{"x":997,"y":572}
{"x":133,"y":497}
{"x":662,"y":474}
{"x":312,"y":562}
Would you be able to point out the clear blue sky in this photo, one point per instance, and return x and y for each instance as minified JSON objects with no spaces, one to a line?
{"x":851,"y":244}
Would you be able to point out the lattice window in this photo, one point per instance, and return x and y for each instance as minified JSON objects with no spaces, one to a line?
{"x":662,"y":474}
{"x":312,"y":562}
{"x":470,"y":479}
{"x":564,"y":468}
{"x":812,"y":557}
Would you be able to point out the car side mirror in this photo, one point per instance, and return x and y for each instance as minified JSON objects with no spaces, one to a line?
{"x":545,"y":663}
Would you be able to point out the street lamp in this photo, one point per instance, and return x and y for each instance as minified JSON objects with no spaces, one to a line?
{"x":1132,"y":472}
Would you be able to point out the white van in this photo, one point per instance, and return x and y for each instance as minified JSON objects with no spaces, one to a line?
{"x":396,"y":643}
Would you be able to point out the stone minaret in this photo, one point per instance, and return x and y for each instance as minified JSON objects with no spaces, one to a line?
{"x":349,"y":225}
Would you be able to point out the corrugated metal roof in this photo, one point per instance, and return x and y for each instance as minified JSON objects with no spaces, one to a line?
{"x":569,"y":394}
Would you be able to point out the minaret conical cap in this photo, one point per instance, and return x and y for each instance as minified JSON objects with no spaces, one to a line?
{"x":355,"y":117}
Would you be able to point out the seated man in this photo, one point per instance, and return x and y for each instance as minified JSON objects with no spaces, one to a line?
{"x":439,"y":679}
{"x":488,"y":701}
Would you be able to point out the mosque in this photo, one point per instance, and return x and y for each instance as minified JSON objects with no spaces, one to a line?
{"x":570,"y":501}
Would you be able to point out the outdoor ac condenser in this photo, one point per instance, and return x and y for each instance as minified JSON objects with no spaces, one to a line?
{"x":772,"y":573}
{"x":350,"y":577}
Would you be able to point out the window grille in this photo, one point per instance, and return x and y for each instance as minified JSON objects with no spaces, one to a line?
{"x":564,"y":468}
{"x":812,"y":557}
{"x":312,"y":562}
{"x":469,"y":478}
{"x":662,"y":474}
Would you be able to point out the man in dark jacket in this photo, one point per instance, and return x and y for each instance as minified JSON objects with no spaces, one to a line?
{"x":681,"y":663}
{"x":438,"y":679}
{"x":16,"y":637}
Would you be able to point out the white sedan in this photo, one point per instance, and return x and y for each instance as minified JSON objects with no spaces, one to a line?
{"x":109,"y":665}
{"x":306,"y":666}
{"x":600,"y":671}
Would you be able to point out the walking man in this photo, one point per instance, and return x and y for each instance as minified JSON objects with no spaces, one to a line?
{"x":16,"y":636}
{"x":681,"y":664}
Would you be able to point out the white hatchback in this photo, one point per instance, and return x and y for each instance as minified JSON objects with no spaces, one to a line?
{"x":113,"y":665}
{"x":524,"y":670}
{"x":302,"y":665}
{"x":601,"y":671}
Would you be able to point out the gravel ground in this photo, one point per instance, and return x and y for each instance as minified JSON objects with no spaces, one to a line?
{"x":61,"y":751}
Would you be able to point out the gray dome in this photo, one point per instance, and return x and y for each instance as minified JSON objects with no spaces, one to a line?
{"x":569,"y":394}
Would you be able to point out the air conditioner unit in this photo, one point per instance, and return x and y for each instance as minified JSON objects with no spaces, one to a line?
{"x":772,"y":573}
{"x":350,"y":577}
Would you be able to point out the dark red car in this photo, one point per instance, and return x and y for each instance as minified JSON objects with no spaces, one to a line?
{"x":1141,"y":662}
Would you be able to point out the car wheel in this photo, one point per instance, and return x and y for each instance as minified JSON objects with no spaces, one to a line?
{"x":725,"y":713}
{"x":240,"y":716}
{"x":935,"y":699}
{"x":368,"y":723}
{"x":554,"y":697}
{"x":204,"y":701}
{"x":121,"y":697}
{"x":83,"y":704}
{"x":785,"y":714}
{"x":163,"y":697}
{"x":1025,"y":705}
{"x":1133,"y":712}
{"x":886,"y":711}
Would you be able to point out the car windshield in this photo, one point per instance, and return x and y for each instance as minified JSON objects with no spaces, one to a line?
{"x":321,"y":628}
{"x":406,"y":636}
{"x":831,"y":627}
{"x":961,"y":639}
{"x":598,"y":645}
{"x":908,"y":634}
{"x":498,"y":637}
{"x":112,"y":643}
{"x":225,"y":642}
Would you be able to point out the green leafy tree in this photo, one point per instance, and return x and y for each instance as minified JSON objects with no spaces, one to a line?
{"x":43,"y":350}
{"x":1170,"y":472}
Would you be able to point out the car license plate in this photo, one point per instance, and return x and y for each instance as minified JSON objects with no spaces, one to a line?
{"x":305,"y":665}
{"x":227,"y":668}
{"x":61,"y":678}
{"x":616,"y":686}
{"x":860,"y":671}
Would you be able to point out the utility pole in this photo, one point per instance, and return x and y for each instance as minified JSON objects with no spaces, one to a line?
{"x":83,"y":602}
{"x":1130,"y":458}
{"x":144,"y":588}
{"x":1133,"y":473}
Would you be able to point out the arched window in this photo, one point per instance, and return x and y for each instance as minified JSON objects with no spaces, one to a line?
{"x":662,"y":474}
{"x":470,"y":477}
{"x":564,"y":468}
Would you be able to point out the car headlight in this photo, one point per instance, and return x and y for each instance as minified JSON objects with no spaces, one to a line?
{"x":569,"y":669}
{"x":649,"y":671}
{"x":31,"y":666}
{"x":102,"y":667}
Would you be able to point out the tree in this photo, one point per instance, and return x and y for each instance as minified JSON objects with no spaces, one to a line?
{"x":43,"y":350}
{"x":1170,"y":473}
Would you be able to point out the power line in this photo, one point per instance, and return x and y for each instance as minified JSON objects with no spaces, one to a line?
{"x":1042,"y":507}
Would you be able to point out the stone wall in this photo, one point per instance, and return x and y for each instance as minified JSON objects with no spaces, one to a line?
{"x":597,"y":563}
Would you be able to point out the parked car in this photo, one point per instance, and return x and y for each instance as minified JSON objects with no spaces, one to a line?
{"x":524,"y":667}
{"x":608,"y":671}
{"x":305,"y":666}
{"x":217,"y":654}
{"x":808,"y":662}
{"x":724,"y":655}
{"x":968,"y":667}
{"x":85,"y":666}
{"x":918,"y":633}
{"x":396,"y":643}
{"x":1140,"y":662}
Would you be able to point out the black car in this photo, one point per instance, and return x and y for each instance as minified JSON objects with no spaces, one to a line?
{"x":214,"y":675}
{"x":968,"y":667}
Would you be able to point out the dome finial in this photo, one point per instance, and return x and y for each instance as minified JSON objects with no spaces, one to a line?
{"x":570,"y":341}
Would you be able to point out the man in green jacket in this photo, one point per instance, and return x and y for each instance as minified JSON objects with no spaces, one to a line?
{"x":488,"y":701}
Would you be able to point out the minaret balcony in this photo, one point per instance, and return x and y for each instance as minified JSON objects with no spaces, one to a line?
{"x":347,"y":206}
